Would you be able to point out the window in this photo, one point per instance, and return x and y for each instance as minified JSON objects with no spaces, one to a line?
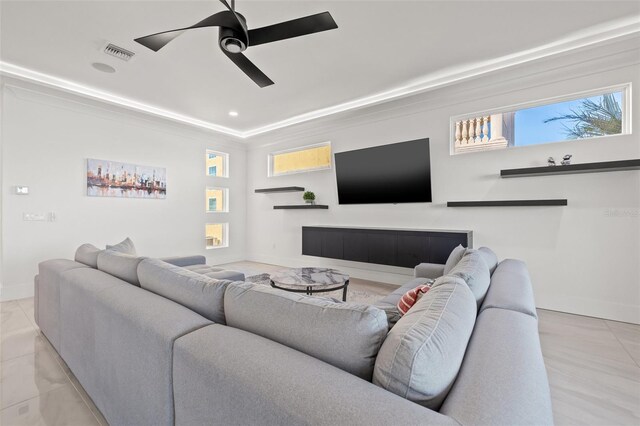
{"x":298,"y":160}
{"x":217,"y":164}
{"x":216,"y":235}
{"x":217,"y":200}
{"x":603,"y":112}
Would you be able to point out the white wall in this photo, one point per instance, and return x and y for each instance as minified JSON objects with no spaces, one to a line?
{"x":582,"y":259}
{"x":47,"y":137}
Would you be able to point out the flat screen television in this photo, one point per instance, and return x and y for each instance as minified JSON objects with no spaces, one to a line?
{"x":395,"y":173}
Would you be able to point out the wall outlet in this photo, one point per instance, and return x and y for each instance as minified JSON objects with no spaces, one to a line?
{"x":34,"y":217}
{"x":22,"y":190}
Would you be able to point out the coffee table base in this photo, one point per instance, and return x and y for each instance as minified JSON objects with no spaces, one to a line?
{"x":309,"y":290}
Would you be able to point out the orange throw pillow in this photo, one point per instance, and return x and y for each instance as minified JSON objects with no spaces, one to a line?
{"x":411,"y":297}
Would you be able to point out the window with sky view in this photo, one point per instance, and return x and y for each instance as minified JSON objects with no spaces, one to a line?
{"x":577,"y":119}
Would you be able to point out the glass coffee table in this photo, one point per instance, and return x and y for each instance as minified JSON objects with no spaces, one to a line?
{"x":311,"y":280}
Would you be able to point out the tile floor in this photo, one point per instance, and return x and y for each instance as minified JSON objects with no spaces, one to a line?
{"x":593,"y":367}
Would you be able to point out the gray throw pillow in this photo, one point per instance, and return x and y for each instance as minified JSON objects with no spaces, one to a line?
{"x":125,"y":247}
{"x":422,"y":354}
{"x":201,"y":294}
{"x":474,"y":271}
{"x":490,"y":258}
{"x":87,"y":254}
{"x":345,"y":335}
{"x":120,"y":265}
{"x":453,"y":259}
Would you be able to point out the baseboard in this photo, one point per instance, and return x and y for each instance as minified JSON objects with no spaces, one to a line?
{"x":593,"y":308}
{"x":17,"y":291}
{"x":380,"y":273}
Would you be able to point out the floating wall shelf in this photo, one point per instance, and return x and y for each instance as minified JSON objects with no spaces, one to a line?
{"x":605,"y":166}
{"x":280,"y":189}
{"x":509,"y":203}
{"x":302,"y":206}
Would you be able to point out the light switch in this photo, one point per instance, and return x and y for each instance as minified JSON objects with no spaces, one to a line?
{"x":34,"y":217}
{"x":22,"y":190}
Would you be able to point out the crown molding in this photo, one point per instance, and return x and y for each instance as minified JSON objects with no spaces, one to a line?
{"x":599,"y":34}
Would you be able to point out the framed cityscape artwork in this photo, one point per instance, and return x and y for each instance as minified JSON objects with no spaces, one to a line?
{"x":114,"y":179}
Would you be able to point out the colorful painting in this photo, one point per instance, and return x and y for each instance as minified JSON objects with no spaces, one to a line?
{"x":114,"y":179}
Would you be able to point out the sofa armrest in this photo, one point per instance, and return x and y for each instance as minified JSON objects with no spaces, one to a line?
{"x":223,"y":375}
{"x":429,"y":270}
{"x":185,"y":260}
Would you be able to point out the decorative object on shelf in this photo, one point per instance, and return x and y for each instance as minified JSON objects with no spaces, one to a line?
{"x":113,"y":179}
{"x":551,"y":161}
{"x":566,"y":160}
{"x":309,"y":197}
{"x":599,"y":167}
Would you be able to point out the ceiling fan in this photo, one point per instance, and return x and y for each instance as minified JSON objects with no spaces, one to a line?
{"x":234,"y":37}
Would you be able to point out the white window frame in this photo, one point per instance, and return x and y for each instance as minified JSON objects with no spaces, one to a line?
{"x":225,"y":235}
{"x":225,"y":199}
{"x":226,"y":163}
{"x":298,"y":148}
{"x":625,"y":88}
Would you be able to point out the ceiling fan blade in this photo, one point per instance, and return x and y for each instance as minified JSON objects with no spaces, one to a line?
{"x":294,"y":28}
{"x":157,"y":41}
{"x":249,"y":68}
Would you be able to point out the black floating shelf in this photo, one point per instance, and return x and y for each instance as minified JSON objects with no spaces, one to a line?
{"x":509,"y":203}
{"x":605,"y":166}
{"x":302,"y":206}
{"x":280,"y":189}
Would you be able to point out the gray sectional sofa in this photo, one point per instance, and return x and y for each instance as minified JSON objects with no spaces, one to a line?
{"x":172,"y":345}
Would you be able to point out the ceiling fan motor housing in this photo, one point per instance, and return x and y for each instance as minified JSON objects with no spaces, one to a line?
{"x":232,"y":40}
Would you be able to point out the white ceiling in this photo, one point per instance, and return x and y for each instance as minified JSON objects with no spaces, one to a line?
{"x":379,"y":46}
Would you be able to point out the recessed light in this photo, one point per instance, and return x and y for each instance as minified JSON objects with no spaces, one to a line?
{"x":103,"y":67}
{"x":233,"y":113}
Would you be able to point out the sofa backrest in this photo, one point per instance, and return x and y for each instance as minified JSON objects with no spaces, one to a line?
{"x":503,"y":378}
{"x":345,"y":335}
{"x":197,"y":292}
{"x":511,"y":289}
{"x":117,"y":339}
{"x":421,"y":356}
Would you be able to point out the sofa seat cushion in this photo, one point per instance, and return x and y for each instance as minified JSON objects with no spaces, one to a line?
{"x":503,"y":379}
{"x":421,"y":356}
{"x":454,"y":257}
{"x":511,"y":289}
{"x":474,"y":271}
{"x":345,"y":335}
{"x":120,"y":265}
{"x":197,"y":292}
{"x":87,"y":254}
{"x":217,"y":273}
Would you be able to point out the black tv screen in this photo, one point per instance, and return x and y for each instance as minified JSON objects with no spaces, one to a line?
{"x":395,"y":173}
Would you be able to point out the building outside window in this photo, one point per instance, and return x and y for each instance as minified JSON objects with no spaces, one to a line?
{"x":593,"y":114}
{"x":216,"y":235}
{"x":299,"y":160}
{"x":217,"y":200}
{"x":217,"y":164}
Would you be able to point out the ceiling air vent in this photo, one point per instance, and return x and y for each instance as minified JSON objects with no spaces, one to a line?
{"x":118,"y":52}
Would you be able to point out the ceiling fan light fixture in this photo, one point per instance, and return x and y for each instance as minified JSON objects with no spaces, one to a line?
{"x":232,"y":45}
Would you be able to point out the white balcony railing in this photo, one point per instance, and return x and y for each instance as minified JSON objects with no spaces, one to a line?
{"x":493,"y":131}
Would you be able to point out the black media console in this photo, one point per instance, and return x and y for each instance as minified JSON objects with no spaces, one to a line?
{"x":396,"y":247}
